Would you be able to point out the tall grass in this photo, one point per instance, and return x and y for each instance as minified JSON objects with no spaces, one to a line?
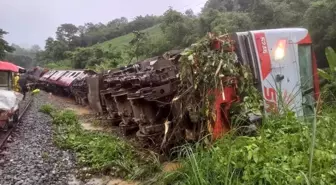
{"x":313,"y":142}
{"x":99,"y":152}
{"x":284,"y":152}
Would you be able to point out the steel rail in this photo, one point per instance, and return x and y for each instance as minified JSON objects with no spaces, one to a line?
{"x":5,"y":135}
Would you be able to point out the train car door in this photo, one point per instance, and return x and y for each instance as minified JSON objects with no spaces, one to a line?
{"x":94,"y":85}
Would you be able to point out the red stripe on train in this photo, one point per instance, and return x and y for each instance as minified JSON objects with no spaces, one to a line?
{"x":264,"y":56}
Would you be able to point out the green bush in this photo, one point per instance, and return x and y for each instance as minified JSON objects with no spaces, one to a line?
{"x":100,"y":152}
{"x":329,"y":75}
{"x":280,"y":154}
{"x":65,"y":117}
{"x":47,"y":109}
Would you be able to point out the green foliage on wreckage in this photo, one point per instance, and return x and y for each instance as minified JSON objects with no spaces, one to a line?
{"x":204,"y":70}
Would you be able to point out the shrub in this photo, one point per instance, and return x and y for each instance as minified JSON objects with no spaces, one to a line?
{"x":100,"y":152}
{"x":47,"y":109}
{"x":329,"y":76}
{"x":65,"y":117}
{"x":280,"y":154}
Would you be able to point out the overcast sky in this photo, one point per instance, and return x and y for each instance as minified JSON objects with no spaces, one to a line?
{"x":32,"y":21}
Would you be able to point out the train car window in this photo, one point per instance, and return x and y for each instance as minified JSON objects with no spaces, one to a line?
{"x":60,"y":74}
{"x":48,"y":73}
{"x":307,"y":82}
{"x":4,"y":79}
{"x":77,"y":74}
{"x":66,"y":74}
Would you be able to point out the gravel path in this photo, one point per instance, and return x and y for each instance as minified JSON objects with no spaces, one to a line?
{"x":30,"y":158}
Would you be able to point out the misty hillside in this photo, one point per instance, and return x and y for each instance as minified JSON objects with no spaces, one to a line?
{"x":120,"y":41}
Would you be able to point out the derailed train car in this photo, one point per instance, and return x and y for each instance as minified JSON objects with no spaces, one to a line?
{"x":139,"y":98}
{"x":79,"y":87}
{"x":139,"y":95}
{"x":60,"y":81}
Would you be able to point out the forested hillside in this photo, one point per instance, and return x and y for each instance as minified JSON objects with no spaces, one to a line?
{"x":192,"y":123}
{"x":121,"y":41}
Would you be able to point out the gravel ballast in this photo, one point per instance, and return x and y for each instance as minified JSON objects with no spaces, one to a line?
{"x":30,"y":157}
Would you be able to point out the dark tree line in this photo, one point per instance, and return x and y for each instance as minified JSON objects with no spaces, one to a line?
{"x":16,"y":54}
{"x":4,"y":46}
{"x":240,"y":15}
{"x":179,"y":30}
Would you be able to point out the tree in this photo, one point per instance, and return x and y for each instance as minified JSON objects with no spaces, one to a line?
{"x":54,"y":50}
{"x":138,"y":45}
{"x":262,"y":13}
{"x":320,"y":19}
{"x":80,"y":57}
{"x":180,"y":30}
{"x":20,"y":60}
{"x":67,"y":33}
{"x":190,"y":13}
{"x":206,"y":19}
{"x":35,"y":48}
{"x":58,"y":50}
{"x":244,"y":5}
{"x":4,"y":46}
{"x":229,"y":22}
{"x":22,"y":56}
{"x":117,"y":23}
{"x":221,"y":5}
{"x":329,"y":75}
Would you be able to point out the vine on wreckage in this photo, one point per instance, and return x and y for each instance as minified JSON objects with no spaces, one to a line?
{"x":201,"y":70}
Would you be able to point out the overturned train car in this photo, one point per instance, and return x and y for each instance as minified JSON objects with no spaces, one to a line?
{"x":138,"y":98}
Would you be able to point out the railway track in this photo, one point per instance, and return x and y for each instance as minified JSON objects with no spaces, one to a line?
{"x":5,"y":135}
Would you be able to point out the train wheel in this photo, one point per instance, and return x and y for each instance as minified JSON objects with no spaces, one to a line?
{"x":5,"y":127}
{"x":10,"y":122}
{"x":16,"y":117}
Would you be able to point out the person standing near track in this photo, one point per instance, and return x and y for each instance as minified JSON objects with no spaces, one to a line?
{"x":16,"y":82}
{"x":23,"y":84}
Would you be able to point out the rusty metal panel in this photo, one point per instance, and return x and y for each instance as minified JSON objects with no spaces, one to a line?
{"x":94,"y":83}
{"x":57,"y":75}
{"x":47,"y":75}
{"x":67,"y":79}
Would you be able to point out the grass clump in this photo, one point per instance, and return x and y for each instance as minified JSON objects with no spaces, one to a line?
{"x":280,"y":154}
{"x":47,"y":109}
{"x":101,"y":153}
{"x":65,"y":118}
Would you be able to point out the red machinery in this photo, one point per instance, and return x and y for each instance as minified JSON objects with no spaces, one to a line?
{"x":283,"y":67}
{"x":223,"y":101}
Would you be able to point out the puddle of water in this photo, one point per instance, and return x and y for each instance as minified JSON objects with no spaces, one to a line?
{"x":66,"y":99}
{"x":105,"y":180}
{"x":89,"y":126}
{"x":80,"y":111}
{"x":120,"y":182}
{"x":74,"y":181}
{"x":98,"y":181}
{"x":171,"y":166}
